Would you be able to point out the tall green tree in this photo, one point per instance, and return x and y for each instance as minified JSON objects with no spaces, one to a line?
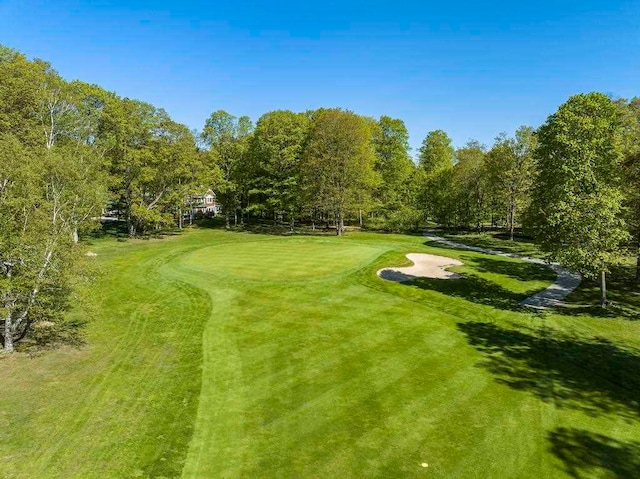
{"x":435,"y":162}
{"x":228,"y":137}
{"x":577,"y":200}
{"x":171,"y":173}
{"x":149,"y":156}
{"x":436,"y":152}
{"x":393,"y":164}
{"x":125,"y":134}
{"x":275,"y":152}
{"x":471,"y":184}
{"x":511,"y":167}
{"x":20,"y":81}
{"x":631,"y":173}
{"x":38,"y":260}
{"x":338,"y":162}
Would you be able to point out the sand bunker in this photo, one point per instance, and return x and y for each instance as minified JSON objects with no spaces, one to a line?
{"x":424,"y":266}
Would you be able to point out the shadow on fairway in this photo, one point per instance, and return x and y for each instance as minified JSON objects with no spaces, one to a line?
{"x":585,"y":454}
{"x":475,"y":289}
{"x":111,"y":229}
{"x":118,"y":230}
{"x":623,"y":292}
{"x":265,"y":228}
{"x":593,"y":375}
{"x":623,"y":288}
{"x":497,"y":239}
{"x":518,"y":270}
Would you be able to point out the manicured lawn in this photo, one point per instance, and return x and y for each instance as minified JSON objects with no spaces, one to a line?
{"x":218,"y":354}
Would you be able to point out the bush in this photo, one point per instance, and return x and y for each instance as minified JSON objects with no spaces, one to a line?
{"x":403,"y":220}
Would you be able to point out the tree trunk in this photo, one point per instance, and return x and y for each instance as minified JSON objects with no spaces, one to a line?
{"x":8,"y":334}
{"x":512,"y":216}
{"x":130,"y":226}
{"x":638,"y":265}
{"x":603,"y":289}
{"x":74,"y":236}
{"x":340,"y":224}
{"x":180,"y":218}
{"x":235,"y":218}
{"x":360,"y":214}
{"x":226,"y":220}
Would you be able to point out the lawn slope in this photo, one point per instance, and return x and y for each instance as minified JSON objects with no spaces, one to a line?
{"x":234,"y":355}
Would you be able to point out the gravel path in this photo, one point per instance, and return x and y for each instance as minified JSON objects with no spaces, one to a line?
{"x":553,"y":296}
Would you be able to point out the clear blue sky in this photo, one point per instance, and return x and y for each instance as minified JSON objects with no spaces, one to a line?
{"x":472,"y":69}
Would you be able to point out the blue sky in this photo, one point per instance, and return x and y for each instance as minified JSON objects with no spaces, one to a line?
{"x":473,"y":69}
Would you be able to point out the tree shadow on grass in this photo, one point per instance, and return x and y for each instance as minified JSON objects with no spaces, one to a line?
{"x":110,"y":229}
{"x":623,"y":288}
{"x":592,"y":375}
{"x":474,"y":289}
{"x":623,"y":292}
{"x":521,"y":245}
{"x":586,"y":454}
{"x":118,"y":230}
{"x":518,"y":270}
{"x":267,"y":227}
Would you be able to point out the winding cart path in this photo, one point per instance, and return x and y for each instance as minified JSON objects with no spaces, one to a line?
{"x":566,"y":282}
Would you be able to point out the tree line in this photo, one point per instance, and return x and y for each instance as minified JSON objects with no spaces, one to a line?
{"x":69,"y":150}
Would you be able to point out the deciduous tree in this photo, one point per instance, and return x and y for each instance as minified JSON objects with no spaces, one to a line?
{"x":577,"y":197}
{"x":275,"y":153}
{"x":511,"y":167}
{"x":435,"y":161}
{"x":338,"y":162}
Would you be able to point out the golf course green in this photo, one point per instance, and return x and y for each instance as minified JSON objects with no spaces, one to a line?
{"x":224,"y":354}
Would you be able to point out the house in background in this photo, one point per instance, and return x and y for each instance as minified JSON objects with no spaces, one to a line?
{"x":206,"y":204}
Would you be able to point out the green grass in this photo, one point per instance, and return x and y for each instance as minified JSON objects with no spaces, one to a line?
{"x":220,"y":354}
{"x":497,"y":240}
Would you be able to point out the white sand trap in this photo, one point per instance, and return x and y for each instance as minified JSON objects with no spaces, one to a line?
{"x":424,"y":266}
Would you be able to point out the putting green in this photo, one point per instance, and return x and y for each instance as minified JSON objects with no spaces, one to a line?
{"x":285,"y":259}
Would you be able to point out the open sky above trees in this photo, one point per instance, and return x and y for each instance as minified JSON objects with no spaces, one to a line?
{"x":468,"y":68}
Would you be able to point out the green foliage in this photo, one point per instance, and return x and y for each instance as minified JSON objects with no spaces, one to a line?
{"x":631,"y":172}
{"x":435,"y":161}
{"x":338,"y":163}
{"x":472,"y":189}
{"x":275,"y":152}
{"x":393,"y":163}
{"x":42,"y":204}
{"x":20,"y":80}
{"x":153,"y":161}
{"x":228,"y":138}
{"x":577,"y":196}
{"x":403,"y":219}
{"x":510,"y":171}
{"x":436,"y":152}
